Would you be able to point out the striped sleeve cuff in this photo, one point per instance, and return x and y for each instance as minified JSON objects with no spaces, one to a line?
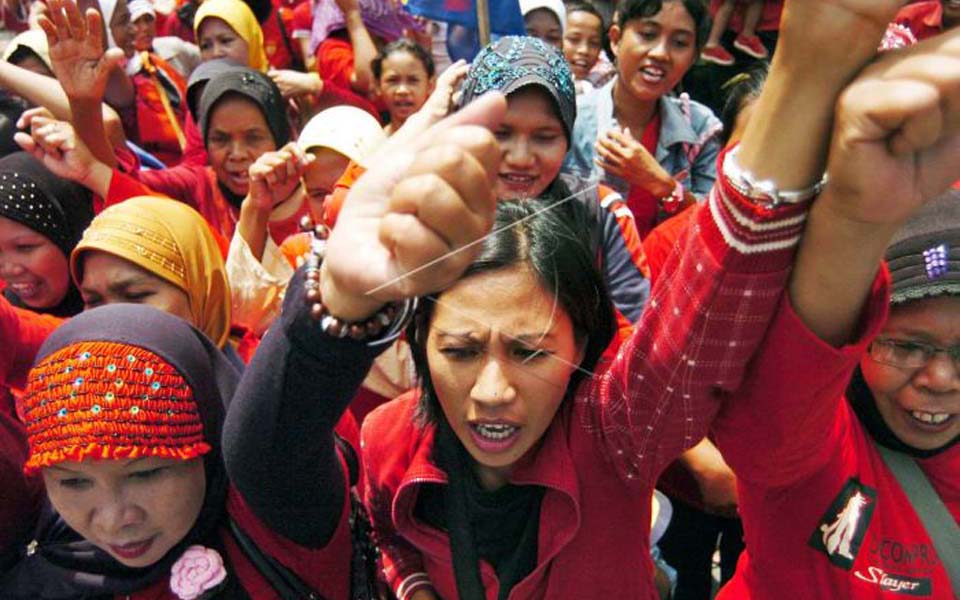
{"x":760,"y":237}
{"x":411,"y":584}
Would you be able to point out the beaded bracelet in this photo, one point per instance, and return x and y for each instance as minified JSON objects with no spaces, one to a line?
{"x":385,"y":325}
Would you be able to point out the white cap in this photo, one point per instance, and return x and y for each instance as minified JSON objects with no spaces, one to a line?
{"x":351,"y":131}
{"x":138,"y":8}
{"x":32,"y":39}
{"x":554,"y":6}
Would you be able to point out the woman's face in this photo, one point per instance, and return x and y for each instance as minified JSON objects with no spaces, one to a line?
{"x":532,"y":144}
{"x":121,"y":28}
{"x":135,"y":510}
{"x":144,"y":30}
{"x":542,"y":23}
{"x":404,"y":85}
{"x":500,"y":373}
{"x":320,"y":176}
{"x":654,"y":53}
{"x":33,"y":266}
{"x":219,"y":40}
{"x":582,"y":42}
{"x":920,"y":405}
{"x":109,"y":279}
{"x":237,"y":135}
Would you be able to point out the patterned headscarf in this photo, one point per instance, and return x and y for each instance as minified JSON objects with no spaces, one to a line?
{"x":172,"y":241}
{"x":513,"y":62}
{"x":241,"y":19}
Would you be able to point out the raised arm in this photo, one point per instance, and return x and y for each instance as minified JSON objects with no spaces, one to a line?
{"x":364,"y":50}
{"x":729,"y":270}
{"x":46,"y":92}
{"x":278,"y":440}
{"x":84,"y":70}
{"x":895,"y":146}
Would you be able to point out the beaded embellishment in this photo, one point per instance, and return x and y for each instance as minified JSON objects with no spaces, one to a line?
{"x":90,"y":400}
{"x":935,"y":261}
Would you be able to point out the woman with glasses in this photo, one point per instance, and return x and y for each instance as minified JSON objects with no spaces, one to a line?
{"x":822,"y":509}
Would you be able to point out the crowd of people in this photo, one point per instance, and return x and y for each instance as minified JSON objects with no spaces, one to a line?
{"x":301,"y":299}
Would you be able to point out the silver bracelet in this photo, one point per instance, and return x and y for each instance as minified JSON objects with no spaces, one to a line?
{"x":765,"y":192}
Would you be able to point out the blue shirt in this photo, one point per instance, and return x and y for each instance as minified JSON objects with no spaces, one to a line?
{"x":687,"y":146}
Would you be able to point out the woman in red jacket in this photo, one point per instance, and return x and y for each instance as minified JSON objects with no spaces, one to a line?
{"x":500,"y":420}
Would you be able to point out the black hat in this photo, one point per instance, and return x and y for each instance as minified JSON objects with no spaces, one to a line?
{"x":924,"y":256}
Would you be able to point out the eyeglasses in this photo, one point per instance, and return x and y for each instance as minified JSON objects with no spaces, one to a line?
{"x":910,"y":355}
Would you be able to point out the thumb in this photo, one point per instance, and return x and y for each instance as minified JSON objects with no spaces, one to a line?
{"x":420,"y":129}
{"x":26,"y":142}
{"x":112,"y":59}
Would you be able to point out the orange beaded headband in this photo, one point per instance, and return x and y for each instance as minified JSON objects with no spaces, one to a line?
{"x":108,"y":400}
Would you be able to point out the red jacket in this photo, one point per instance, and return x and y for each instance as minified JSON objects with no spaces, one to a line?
{"x":601,"y":456}
{"x":801,"y":455}
{"x":22,"y":332}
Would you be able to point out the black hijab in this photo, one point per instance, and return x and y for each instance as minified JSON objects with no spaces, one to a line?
{"x":259,"y":89}
{"x":254,"y":86}
{"x":56,"y":208}
{"x":61,"y":564}
{"x":204,"y":72}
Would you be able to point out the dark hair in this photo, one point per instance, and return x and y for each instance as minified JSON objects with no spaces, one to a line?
{"x":403,"y":45}
{"x":23,"y":53}
{"x":642,"y":9}
{"x":543,"y":238}
{"x":587,"y":7}
{"x":584,"y":6}
{"x":739,"y":90}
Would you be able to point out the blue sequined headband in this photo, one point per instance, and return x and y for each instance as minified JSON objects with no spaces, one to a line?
{"x":515,"y":61}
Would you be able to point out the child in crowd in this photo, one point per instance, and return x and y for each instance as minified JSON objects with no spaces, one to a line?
{"x":582,"y":41}
{"x":545,"y":19}
{"x":747,"y":41}
{"x":404,"y":76}
{"x":657,"y":150}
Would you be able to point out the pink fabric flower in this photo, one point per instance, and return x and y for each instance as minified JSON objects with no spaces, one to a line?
{"x":198,"y":570}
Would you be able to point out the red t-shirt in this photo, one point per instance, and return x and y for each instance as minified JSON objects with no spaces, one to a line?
{"x":644,"y":205}
{"x":171,"y":25}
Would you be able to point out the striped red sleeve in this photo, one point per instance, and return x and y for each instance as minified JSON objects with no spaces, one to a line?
{"x":708,"y":312}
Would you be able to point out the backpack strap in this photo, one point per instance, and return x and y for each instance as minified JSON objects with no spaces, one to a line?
{"x":937,"y":520}
{"x":349,"y":457}
{"x":287,"y":584}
